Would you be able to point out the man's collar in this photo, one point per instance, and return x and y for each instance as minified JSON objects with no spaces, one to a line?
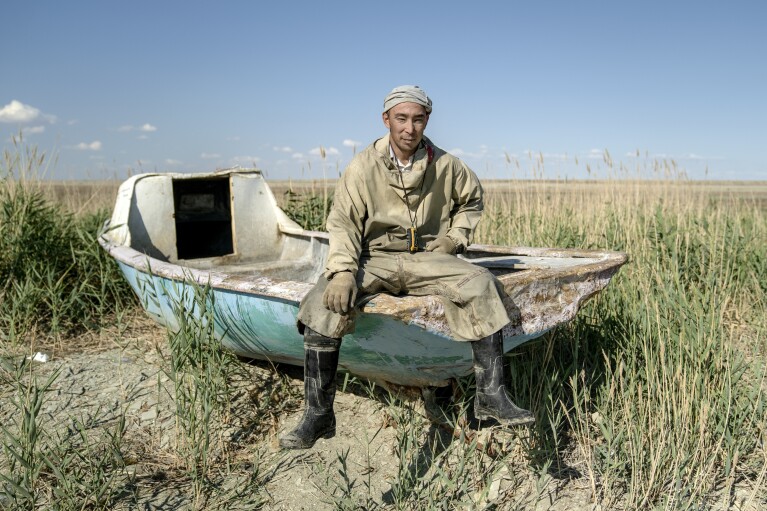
{"x":408,"y":163}
{"x":403,"y":166}
{"x":382,"y":147}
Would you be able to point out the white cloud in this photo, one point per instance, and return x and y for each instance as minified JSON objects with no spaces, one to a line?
{"x":92,"y":146}
{"x":329,"y":151}
{"x":146,"y":128}
{"x":596,"y":154}
{"x":558,"y":156}
{"x":210,"y":156}
{"x":460,"y":153}
{"x":245,"y":160}
{"x":351,"y":143}
{"x":33,"y":130}
{"x":171,"y":161}
{"x":142,"y":137}
{"x":297,"y":156}
{"x":16,"y":111}
{"x":283,"y":149}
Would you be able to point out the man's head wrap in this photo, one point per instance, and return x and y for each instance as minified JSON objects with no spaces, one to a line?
{"x":407,"y":94}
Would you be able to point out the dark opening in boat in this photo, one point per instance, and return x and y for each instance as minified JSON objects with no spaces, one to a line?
{"x":203,"y":217}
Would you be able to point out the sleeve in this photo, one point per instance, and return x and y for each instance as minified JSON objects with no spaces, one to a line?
{"x":467,"y":195}
{"x":345,"y":224}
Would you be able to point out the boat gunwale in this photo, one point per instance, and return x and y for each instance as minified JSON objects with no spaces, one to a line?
{"x":294,"y":290}
{"x":608,"y":261}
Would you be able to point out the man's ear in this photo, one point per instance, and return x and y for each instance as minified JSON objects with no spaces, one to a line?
{"x":385,"y":117}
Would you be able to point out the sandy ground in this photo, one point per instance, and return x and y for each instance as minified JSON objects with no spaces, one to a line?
{"x":122,"y":373}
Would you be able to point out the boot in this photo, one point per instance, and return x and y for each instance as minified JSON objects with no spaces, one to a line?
{"x":492,"y":399}
{"x":320,"y":364}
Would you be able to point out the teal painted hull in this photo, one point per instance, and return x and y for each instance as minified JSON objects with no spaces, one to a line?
{"x":382,"y":349}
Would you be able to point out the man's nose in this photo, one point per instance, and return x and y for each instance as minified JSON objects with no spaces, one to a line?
{"x":409,"y":126}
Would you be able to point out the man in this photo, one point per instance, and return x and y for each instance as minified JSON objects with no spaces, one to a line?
{"x":402,"y":210}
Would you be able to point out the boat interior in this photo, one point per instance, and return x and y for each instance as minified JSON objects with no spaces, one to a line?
{"x":227,"y":222}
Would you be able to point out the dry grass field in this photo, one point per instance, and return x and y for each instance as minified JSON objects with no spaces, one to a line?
{"x":652,"y":398}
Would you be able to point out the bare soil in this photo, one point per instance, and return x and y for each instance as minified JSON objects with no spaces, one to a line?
{"x":122,"y":372}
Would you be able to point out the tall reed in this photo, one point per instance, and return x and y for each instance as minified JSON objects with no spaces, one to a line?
{"x":659,"y":382}
{"x":54,"y":278}
{"x":200,"y":370}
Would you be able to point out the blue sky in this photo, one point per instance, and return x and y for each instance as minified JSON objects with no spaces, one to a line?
{"x":115,"y":87}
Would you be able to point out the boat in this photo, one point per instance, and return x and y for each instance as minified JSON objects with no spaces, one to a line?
{"x":170,"y":232}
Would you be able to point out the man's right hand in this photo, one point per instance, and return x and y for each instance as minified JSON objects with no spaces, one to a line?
{"x":341,"y":293}
{"x":442,"y":244}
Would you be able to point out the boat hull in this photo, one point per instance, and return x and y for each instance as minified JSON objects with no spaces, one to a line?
{"x":382,"y":349}
{"x":173,"y":234}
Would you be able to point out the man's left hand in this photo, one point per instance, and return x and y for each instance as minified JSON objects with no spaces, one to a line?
{"x":441,"y":244}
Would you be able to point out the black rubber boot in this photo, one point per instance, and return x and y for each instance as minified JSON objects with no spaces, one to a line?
{"x":320,"y":364}
{"x":492,"y":399}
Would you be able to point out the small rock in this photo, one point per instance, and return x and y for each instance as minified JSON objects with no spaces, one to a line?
{"x":39,"y":357}
{"x":148,"y":415}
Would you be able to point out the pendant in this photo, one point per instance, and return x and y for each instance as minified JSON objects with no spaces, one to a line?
{"x":412,"y":240}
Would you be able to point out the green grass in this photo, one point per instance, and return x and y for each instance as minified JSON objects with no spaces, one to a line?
{"x":22,"y":438}
{"x":54,"y":278}
{"x":657,"y":389}
{"x":201,"y":371}
{"x":309,"y":211}
{"x":653,"y":397}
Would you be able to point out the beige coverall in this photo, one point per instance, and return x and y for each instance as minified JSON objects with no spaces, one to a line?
{"x":367,"y":227}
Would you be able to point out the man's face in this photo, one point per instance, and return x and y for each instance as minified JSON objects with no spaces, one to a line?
{"x":406,"y":123}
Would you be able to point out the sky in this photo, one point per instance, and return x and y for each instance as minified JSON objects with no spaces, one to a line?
{"x":557,"y":89}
